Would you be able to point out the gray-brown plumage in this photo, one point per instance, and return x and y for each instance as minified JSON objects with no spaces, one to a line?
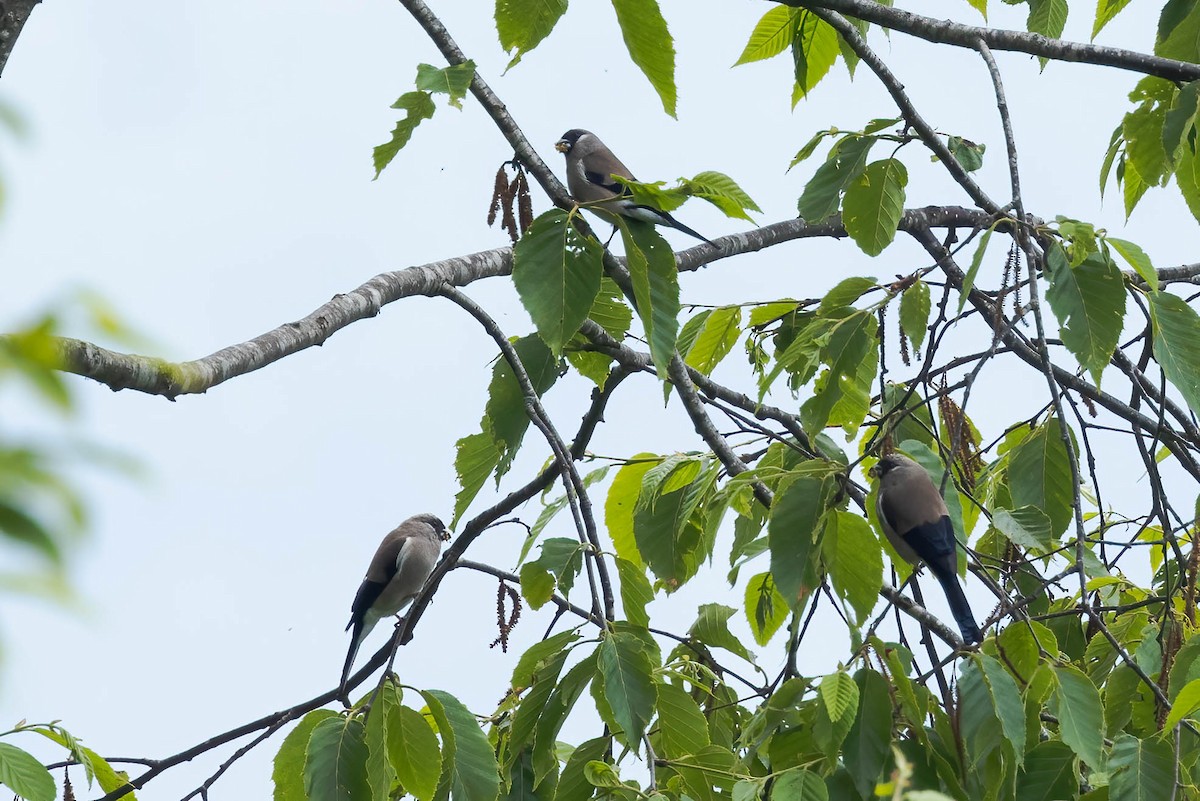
{"x":590,"y":170}
{"x":397,"y":573}
{"x":917,"y":524}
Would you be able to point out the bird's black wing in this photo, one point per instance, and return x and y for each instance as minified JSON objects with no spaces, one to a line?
{"x":606,"y":182}
{"x":368,"y":592}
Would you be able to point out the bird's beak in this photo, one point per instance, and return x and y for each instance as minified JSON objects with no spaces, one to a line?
{"x":874,"y":472}
{"x":562,"y":146}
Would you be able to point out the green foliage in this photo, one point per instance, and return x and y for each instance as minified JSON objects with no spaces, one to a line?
{"x":650,"y":45}
{"x":452,"y":81}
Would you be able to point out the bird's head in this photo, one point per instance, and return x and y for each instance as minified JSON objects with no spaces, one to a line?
{"x":570,"y":139}
{"x":888,"y":463}
{"x":435,"y":523}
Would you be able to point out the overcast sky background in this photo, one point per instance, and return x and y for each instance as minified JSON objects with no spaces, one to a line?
{"x":206,"y":167}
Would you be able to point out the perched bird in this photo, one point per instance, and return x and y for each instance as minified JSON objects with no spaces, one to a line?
{"x":917,"y":524}
{"x":397,"y":573}
{"x":591,"y":168}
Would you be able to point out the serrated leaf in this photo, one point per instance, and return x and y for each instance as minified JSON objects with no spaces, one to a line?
{"x":655,"y":287}
{"x":557,"y":271}
{"x":845,"y":162}
{"x":554,"y":712}
{"x":814,"y":52}
{"x":1076,"y":702}
{"x":715,"y":340}
{"x":505,"y":412}
{"x":973,"y":271}
{"x":855,"y":561}
{"x":873,"y":205}
{"x":636,"y":592}
{"x":1141,"y":770}
{"x":1185,"y":703}
{"x":473,"y":775}
{"x":968,"y":154}
{"x":335,"y":763}
{"x":288,"y":767}
{"x":419,"y":106}
{"x":682,"y":728}
{"x":523,"y":24}
{"x":847,"y":291}
{"x":712,"y":629}
{"x":850,"y":370}
{"x":412,"y":750}
{"x":454,"y":80}
{"x":1177,"y":344}
{"x":650,"y":45}
{"x":1049,"y":773}
{"x":1028,"y":527}
{"x":839,"y":694}
{"x":1089,"y":302}
{"x":990,"y":707}
{"x":867,"y":745}
{"x":622,"y":501}
{"x":24,"y":775}
{"x":1143,"y":133}
{"x":723,"y":192}
{"x":1106,"y":10}
{"x":772,"y":34}
{"x":476,"y":456}
{"x":799,"y":784}
{"x":1039,"y":475}
{"x":1137,"y":259}
{"x":624,"y":667}
{"x":766,"y":609}
{"x":1179,"y":32}
{"x":793,"y":530}
{"x":1047,"y":17}
{"x":914,"y":312}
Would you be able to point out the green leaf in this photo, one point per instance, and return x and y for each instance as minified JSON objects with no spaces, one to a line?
{"x":1137,"y":259}
{"x":413,"y":752}
{"x":771,"y":35}
{"x":419,"y":106}
{"x":473,"y":774}
{"x":798,"y":784}
{"x":914,"y":312}
{"x":636,"y":592}
{"x":1089,"y":302}
{"x":1185,"y":703}
{"x":1180,"y":120}
{"x":873,"y":205}
{"x":1039,"y":474}
{"x":855,"y":561}
{"x":1076,"y":703}
{"x":540,"y":655}
{"x":793,"y":531}
{"x":712,"y":629}
{"x":766,"y":609}
{"x":673,"y":543}
{"x":523,"y":728}
{"x":505,"y":411}
{"x":476,"y":456}
{"x":24,"y":775}
{"x":523,"y":24}
{"x":1049,"y":773}
{"x":990,"y":696}
{"x":814,"y":52}
{"x":655,"y":286}
{"x":557,"y":271}
{"x":610,"y":311}
{"x":845,"y":162}
{"x":867,"y":745}
{"x":555,"y":712}
{"x":723,"y":192}
{"x":454,"y":80}
{"x":650,"y":45}
{"x":973,"y":271}
{"x":1028,"y":527}
{"x":847,"y":291}
{"x":1106,"y":10}
{"x":537,"y":584}
{"x":1177,"y":344}
{"x":1141,"y":770}
{"x":622,"y":501}
{"x":851,"y":358}
{"x":1047,"y":17}
{"x":839,"y":694}
{"x":682,"y":727}
{"x":715,"y":340}
{"x":335,"y":763}
{"x":288,"y":769}
{"x":1142,"y":130}
{"x":625,"y":670}
{"x":1179,"y":31}
{"x":968,"y":154}
{"x":573,"y":784}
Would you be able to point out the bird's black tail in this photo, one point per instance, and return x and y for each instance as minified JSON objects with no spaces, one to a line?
{"x":674,"y":223}
{"x":959,"y":607}
{"x":355,"y":641}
